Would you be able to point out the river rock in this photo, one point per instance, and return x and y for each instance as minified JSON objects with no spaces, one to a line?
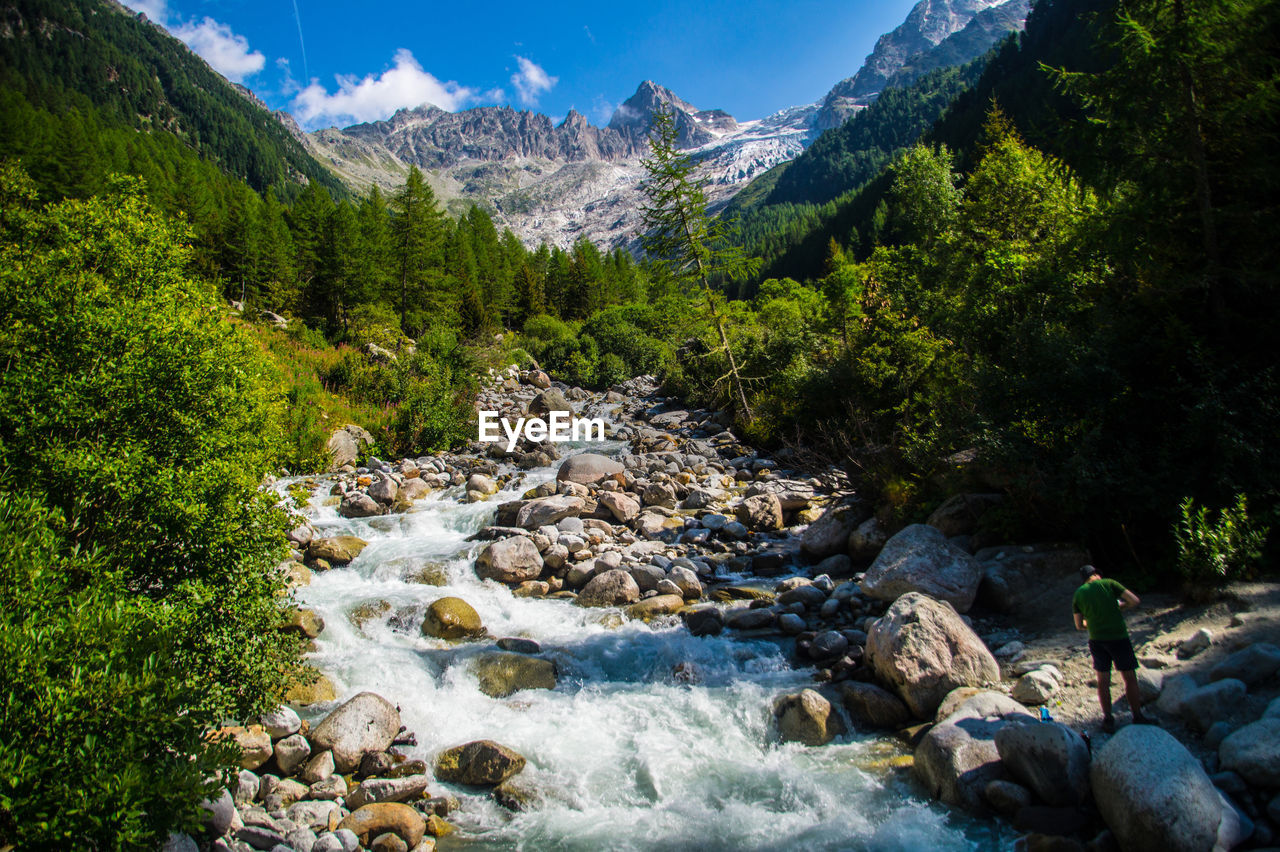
{"x":281,"y":722}
{"x":1195,"y":643}
{"x":924,"y":650}
{"x":451,"y":618}
{"x":1252,"y":665}
{"x":686,"y":580}
{"x":373,"y":790}
{"x":548,"y":401}
{"x":960,"y":513}
{"x":807,"y":717}
{"x":479,"y":484}
{"x":413,"y":489}
{"x":365,"y":723}
{"x":762,"y":512}
{"x":219,"y":813}
{"x":538,"y":379}
{"x":317,"y":768}
{"x":829,"y":534}
{"x":609,"y":588}
{"x":316,"y":691}
{"x":510,"y":560}
{"x":920,"y":559}
{"x":254,"y":744}
{"x":867,"y":540}
{"x":312,"y":814}
{"x":1035,"y":687}
{"x":1032,"y":581}
{"x":547,"y":510}
{"x":1050,"y":758}
{"x":290,"y":752}
{"x":1253,"y":753}
{"x":1204,"y":706}
{"x":480,"y":763}
{"x":347,"y":444}
{"x":873,"y":707}
{"x":357,"y":504}
{"x":501,"y":674}
{"x":304,"y":622}
{"x":386,"y":817}
{"x":384,"y":490}
{"x":622,"y":506}
{"x":958,"y":758}
{"x":336,"y":550}
{"x":655,"y":606}
{"x":1154,"y":794}
{"x":589,"y":469}
{"x":704,"y":621}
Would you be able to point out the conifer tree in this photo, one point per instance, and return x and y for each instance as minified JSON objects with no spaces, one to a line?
{"x":418,"y":230}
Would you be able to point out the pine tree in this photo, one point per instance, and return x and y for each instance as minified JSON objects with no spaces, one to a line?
{"x":681,"y":236}
{"x":418,"y":231}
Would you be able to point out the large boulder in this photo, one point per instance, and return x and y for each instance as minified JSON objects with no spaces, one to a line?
{"x":923,"y":650}
{"x":829,"y":534}
{"x":958,"y":757}
{"x":1034,"y":581}
{"x":481,"y":763}
{"x":366,"y":723}
{"x":960,"y":513}
{"x":336,"y":550}
{"x":347,"y":445}
{"x":357,"y":504}
{"x":509,"y":560}
{"x":920,"y":559}
{"x":374,"y":820}
{"x":609,"y":588}
{"x":501,"y":674}
{"x":451,"y":618}
{"x":807,"y":717}
{"x":548,"y":401}
{"x":873,"y":707}
{"x":761,"y":512}
{"x":1154,"y":794}
{"x":1252,"y":665}
{"x":547,"y":510}
{"x":1253,"y":752}
{"x":590,"y":468}
{"x":1049,"y":758}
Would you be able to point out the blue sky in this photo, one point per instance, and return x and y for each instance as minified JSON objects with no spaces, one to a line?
{"x":364,"y":61}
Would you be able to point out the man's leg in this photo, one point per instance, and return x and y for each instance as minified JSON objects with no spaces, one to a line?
{"x":1104,"y":691}
{"x":1131,"y":692}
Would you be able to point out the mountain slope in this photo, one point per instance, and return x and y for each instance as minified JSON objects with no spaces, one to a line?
{"x":137,"y":75}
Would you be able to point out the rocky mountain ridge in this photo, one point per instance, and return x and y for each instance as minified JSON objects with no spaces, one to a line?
{"x":557,"y":182}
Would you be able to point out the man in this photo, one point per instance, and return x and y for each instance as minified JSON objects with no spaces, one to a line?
{"x":1097,"y":605}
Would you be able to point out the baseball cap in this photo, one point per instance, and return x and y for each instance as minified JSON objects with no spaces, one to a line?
{"x":1087,"y":571}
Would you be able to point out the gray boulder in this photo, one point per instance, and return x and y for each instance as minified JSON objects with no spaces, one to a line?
{"x":1154,"y":794}
{"x":609,"y":588}
{"x":1253,"y":753}
{"x":760,"y":512}
{"x":281,"y":722}
{"x":373,"y":790}
{"x":509,"y":560}
{"x":365,"y":723}
{"x":357,"y":504}
{"x":590,"y":468}
{"x":548,"y":401}
{"x":291,"y":752}
{"x":1049,"y":758}
{"x":957,"y":758}
{"x":829,"y":534}
{"x":347,"y":444}
{"x":806,"y":717}
{"x":923,"y":650}
{"x":867,"y":540}
{"x":920,"y":559}
{"x":1202,"y":707}
{"x":548,"y":510}
{"x":1035,"y":687}
{"x":1251,"y":666}
{"x":873,"y":707}
{"x":622,"y":506}
{"x":336,"y":550}
{"x":1034,"y":581}
{"x":483,"y":762}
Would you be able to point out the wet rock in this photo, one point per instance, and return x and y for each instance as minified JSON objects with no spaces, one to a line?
{"x":336,"y":550}
{"x":751,"y":619}
{"x":704,"y":621}
{"x":957,"y":758}
{"x":510,"y":560}
{"x":924,"y":650}
{"x":519,"y":646}
{"x":373,"y":820}
{"x":806,"y":717}
{"x":358,"y":504}
{"x":791,"y":624}
{"x":373,"y":790}
{"x":920,"y":559}
{"x":686,"y":581}
{"x":501,"y":674}
{"x":365,"y":723}
{"x":1049,"y":758}
{"x":304,"y":622}
{"x":314,"y":691}
{"x":480,"y":485}
{"x":1253,"y":753}
{"x":480,"y":763}
{"x":384,"y":491}
{"x":451,"y":618}
{"x":829,"y":644}
{"x":1154,"y":794}
{"x":655,"y":606}
{"x":870,"y":706}
{"x":761,"y":512}
{"x":809,"y":596}
{"x":960,"y":513}
{"x":609,"y":588}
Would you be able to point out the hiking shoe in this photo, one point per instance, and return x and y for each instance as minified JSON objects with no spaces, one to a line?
{"x":1109,"y":724}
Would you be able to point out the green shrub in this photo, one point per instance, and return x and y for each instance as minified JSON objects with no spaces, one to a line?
{"x":1215,"y":548}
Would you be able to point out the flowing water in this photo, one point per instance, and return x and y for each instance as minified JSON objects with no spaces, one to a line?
{"x":625,"y":755}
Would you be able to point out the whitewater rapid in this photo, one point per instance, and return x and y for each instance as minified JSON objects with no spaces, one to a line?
{"x":625,"y":754}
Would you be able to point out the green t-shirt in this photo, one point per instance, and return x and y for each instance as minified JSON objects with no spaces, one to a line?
{"x":1096,"y":601}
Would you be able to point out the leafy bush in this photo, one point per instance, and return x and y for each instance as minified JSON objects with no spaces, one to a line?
{"x":1215,"y":548}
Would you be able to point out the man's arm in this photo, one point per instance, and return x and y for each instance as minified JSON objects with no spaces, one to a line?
{"x":1080,"y":625}
{"x":1128,"y":599}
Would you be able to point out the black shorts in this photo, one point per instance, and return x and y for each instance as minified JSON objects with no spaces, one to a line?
{"x":1108,"y":651}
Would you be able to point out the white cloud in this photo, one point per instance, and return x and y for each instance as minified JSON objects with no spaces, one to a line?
{"x":531,"y":81}
{"x":373,"y":98}
{"x":215,"y":43}
{"x":227,"y":52}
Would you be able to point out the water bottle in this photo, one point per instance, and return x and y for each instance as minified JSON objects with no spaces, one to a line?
{"x":1044,"y":715}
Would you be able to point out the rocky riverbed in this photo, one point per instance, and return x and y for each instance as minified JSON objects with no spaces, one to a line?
{"x":670,"y":641}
